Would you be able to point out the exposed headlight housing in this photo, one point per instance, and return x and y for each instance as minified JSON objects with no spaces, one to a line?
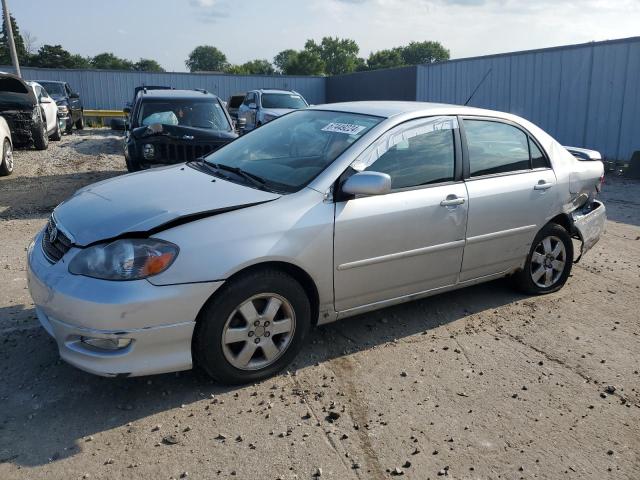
{"x":126,"y":259}
{"x":63,"y":109}
{"x":148,"y":151}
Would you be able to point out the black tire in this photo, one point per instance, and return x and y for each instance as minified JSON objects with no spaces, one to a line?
{"x":80,"y":121}
{"x":208,"y":350}
{"x":6,"y":161}
{"x":133,"y":165}
{"x":69,"y":126}
{"x":39,"y":133}
{"x":524,"y":279}
{"x":56,"y":136}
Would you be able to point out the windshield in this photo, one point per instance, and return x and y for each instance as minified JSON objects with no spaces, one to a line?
{"x":289,"y":152}
{"x":53,"y":88}
{"x":188,"y":113}
{"x":283,"y":100}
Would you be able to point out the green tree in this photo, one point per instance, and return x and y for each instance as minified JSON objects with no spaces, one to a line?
{"x":283,"y":59}
{"x":54,"y":56}
{"x":147,"y":65}
{"x":108,"y":61}
{"x":5,"y":56}
{"x":417,"y":53}
{"x":258,"y":67}
{"x":385,"y":59}
{"x":206,"y":58}
{"x":78,"y":61}
{"x":306,"y":63}
{"x":339,"y":55}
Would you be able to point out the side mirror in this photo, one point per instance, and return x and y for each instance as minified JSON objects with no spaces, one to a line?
{"x":253,"y":106}
{"x":45,"y":100}
{"x":74,"y":95}
{"x":367,"y":183}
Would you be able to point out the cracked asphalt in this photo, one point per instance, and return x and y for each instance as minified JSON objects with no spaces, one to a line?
{"x":481,"y":383}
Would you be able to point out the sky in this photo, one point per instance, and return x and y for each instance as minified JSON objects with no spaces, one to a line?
{"x":167,"y":30}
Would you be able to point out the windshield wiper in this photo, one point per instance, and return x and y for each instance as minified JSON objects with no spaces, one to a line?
{"x":257,"y":180}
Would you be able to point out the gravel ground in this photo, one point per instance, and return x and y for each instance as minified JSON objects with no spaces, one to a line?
{"x":480,"y":383}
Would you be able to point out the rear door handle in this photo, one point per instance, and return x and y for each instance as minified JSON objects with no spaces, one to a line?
{"x":452,"y":201}
{"x":542,"y":185}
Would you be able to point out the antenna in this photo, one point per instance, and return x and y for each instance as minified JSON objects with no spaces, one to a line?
{"x":478,"y":86}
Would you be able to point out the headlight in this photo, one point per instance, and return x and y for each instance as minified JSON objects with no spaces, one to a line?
{"x":268,"y":118}
{"x":63,"y":109}
{"x":126,"y":259}
{"x":148,"y":151}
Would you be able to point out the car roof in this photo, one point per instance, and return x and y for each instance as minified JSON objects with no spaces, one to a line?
{"x":274,"y":90}
{"x":176,"y":94}
{"x":391,"y":108}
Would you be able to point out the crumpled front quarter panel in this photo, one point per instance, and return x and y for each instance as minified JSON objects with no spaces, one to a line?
{"x":296,"y":229}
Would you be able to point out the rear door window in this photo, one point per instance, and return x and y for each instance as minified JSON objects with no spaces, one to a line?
{"x":495,"y":147}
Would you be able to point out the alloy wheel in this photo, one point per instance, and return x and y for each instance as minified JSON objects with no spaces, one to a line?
{"x":8,"y":156}
{"x":258,"y":331}
{"x":548,"y":261}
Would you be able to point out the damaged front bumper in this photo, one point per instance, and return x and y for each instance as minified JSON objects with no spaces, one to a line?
{"x":588,"y":223}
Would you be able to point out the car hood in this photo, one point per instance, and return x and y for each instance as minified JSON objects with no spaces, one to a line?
{"x":15,"y":94}
{"x":150,"y":201}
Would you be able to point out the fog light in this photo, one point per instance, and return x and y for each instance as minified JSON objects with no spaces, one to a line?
{"x":148,"y":151}
{"x":106,"y":343}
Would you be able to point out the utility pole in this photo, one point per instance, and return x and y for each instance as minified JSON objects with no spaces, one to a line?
{"x":8,"y":31}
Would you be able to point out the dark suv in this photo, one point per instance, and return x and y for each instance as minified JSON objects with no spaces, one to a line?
{"x":166,"y":126}
{"x":69,"y":103}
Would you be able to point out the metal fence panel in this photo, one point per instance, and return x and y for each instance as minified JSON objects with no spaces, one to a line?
{"x":109,"y":89}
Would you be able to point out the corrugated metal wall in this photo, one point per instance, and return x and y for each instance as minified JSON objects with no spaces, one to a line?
{"x":391,"y":84}
{"x":584,"y":95}
{"x":108,"y":89}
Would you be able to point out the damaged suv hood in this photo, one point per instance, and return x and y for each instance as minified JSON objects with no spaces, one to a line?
{"x":149,"y":201}
{"x":15,"y":94}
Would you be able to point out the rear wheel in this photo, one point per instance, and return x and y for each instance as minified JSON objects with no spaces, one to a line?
{"x":252,"y":328}
{"x":6,"y":162}
{"x":549,"y":262}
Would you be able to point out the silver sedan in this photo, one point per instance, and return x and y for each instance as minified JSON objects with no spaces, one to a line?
{"x":227,"y":262}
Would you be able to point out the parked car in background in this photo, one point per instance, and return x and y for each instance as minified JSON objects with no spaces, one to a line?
{"x":173,"y":126}
{"x":6,"y":158}
{"x":322,"y":214}
{"x":69,"y":103}
{"x":49,"y":109}
{"x":263,"y":105}
{"x":22,"y":112}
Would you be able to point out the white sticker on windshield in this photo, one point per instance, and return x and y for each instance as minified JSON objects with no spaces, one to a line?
{"x":346,"y":128}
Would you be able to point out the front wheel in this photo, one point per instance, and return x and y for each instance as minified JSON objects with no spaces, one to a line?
{"x":39,"y":133}
{"x":6,"y":161}
{"x":80,"y":121}
{"x":57,"y":133}
{"x":252,"y":328}
{"x":549,"y":262}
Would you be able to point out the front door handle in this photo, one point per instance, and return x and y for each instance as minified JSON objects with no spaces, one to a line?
{"x":452,"y":201}
{"x":542,"y":185}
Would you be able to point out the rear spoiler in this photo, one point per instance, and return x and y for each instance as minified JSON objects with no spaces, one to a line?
{"x":584,"y":154}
